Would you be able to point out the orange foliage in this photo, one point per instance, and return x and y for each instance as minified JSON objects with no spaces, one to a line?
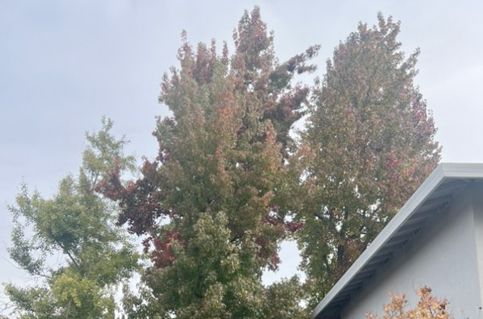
{"x":428,"y":307}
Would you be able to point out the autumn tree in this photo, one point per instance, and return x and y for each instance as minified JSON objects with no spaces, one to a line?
{"x":368,"y":144}
{"x":427,"y":307}
{"x":211,"y":206}
{"x":77,"y":227}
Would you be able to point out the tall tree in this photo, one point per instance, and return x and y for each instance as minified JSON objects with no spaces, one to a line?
{"x":76,"y":226}
{"x":211,"y":206}
{"x":368,"y":145}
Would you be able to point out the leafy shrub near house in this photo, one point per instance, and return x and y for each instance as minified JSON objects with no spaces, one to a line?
{"x":428,"y":307}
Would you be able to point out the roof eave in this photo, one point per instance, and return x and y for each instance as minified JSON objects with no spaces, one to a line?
{"x":442,"y":172}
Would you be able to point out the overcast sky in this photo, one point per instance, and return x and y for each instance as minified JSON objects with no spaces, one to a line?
{"x":66,"y":63}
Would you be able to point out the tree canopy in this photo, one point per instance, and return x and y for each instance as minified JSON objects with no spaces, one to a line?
{"x":231,"y":181}
{"x":369,"y":143}
{"x":78,"y":227}
{"x":212,"y":203}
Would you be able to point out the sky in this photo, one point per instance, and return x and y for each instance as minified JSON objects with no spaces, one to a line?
{"x":65,"y":64}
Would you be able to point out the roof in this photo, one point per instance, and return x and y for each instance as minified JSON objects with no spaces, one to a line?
{"x":431,"y":197}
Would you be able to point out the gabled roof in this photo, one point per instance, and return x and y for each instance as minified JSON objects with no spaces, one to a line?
{"x":431,"y":197}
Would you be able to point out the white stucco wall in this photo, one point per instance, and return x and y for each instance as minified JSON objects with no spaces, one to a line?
{"x":444,"y":257}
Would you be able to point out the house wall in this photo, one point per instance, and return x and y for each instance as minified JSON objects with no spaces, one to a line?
{"x":444,"y":257}
{"x":477,"y":200}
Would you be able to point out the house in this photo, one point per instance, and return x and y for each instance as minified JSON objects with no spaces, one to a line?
{"x":435,"y":240}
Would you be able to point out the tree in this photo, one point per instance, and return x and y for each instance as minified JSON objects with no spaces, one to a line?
{"x":212,"y":205}
{"x":78,"y":226}
{"x":427,"y":307}
{"x":369,"y":143}
{"x":284,"y":300}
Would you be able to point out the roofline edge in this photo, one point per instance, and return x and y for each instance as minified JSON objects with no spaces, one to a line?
{"x":442,"y":171}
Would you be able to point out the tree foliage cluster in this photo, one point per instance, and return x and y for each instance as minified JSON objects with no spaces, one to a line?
{"x":427,"y":307}
{"x":76,"y":228}
{"x":231,"y":182}
{"x":368,"y":143}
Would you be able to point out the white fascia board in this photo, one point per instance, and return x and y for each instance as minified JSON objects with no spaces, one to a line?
{"x":462,"y":170}
{"x":442,"y":171}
